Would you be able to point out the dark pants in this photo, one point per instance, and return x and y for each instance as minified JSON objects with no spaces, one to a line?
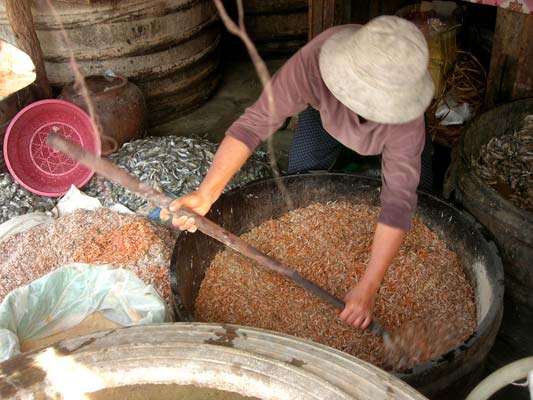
{"x":312,"y":148}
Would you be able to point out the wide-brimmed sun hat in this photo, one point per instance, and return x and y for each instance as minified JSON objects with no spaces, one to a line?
{"x":380,"y":70}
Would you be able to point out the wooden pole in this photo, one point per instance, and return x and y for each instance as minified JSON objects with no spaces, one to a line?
{"x":21,"y":20}
{"x":510,"y":75}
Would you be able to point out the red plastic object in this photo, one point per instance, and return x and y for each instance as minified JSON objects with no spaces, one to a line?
{"x":34,"y":164}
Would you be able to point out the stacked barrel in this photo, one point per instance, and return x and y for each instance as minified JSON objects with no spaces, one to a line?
{"x":169,"y":48}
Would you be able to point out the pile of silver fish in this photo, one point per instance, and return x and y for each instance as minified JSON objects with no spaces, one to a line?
{"x":15,"y":200}
{"x":506,"y":162}
{"x":174,"y":164}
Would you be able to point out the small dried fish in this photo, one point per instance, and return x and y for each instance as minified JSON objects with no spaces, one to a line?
{"x":418,"y":342}
{"x":100,"y":237}
{"x":175,"y":164}
{"x":15,"y":200}
{"x":330,"y":244}
{"x":506,"y":163}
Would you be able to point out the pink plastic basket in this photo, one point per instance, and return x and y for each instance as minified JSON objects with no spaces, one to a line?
{"x":35,"y":165}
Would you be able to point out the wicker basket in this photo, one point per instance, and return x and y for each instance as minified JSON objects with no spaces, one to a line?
{"x":442,"y":45}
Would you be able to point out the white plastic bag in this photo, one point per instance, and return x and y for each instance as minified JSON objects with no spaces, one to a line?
{"x":452,"y":113}
{"x":74,"y":200}
{"x":63,"y":298}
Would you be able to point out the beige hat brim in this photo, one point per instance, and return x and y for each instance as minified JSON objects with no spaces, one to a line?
{"x":371,"y":100}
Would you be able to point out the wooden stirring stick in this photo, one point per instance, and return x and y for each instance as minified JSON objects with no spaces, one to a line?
{"x":109,"y":170}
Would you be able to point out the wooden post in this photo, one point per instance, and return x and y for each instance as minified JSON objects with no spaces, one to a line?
{"x":21,"y":20}
{"x":324,"y":14}
{"x":510,"y":75}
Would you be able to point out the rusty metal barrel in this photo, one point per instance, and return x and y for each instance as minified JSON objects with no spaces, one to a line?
{"x":195,"y":361}
{"x":449,"y":376}
{"x":169,"y":48}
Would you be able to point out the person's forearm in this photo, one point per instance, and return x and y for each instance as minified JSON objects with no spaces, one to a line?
{"x":229,"y":158}
{"x":385,"y":246}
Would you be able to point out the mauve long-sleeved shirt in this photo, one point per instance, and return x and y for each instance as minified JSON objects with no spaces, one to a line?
{"x":296,"y":85}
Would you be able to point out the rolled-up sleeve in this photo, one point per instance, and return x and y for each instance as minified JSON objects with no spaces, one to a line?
{"x":401,"y":165}
{"x":290,"y":88}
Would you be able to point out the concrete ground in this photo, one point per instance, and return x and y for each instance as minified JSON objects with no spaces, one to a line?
{"x":238,"y":89}
{"x":513,"y":343}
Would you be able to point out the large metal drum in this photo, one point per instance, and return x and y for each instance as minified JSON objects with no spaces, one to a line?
{"x":240,"y":210}
{"x":190,"y":361}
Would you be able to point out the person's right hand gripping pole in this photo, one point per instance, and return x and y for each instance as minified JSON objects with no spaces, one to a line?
{"x":229,"y":158}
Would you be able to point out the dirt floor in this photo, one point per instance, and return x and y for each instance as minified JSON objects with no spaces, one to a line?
{"x":239,"y":89}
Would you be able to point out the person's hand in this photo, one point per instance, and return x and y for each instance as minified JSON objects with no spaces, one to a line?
{"x":199,"y":202}
{"x":360,"y":302}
